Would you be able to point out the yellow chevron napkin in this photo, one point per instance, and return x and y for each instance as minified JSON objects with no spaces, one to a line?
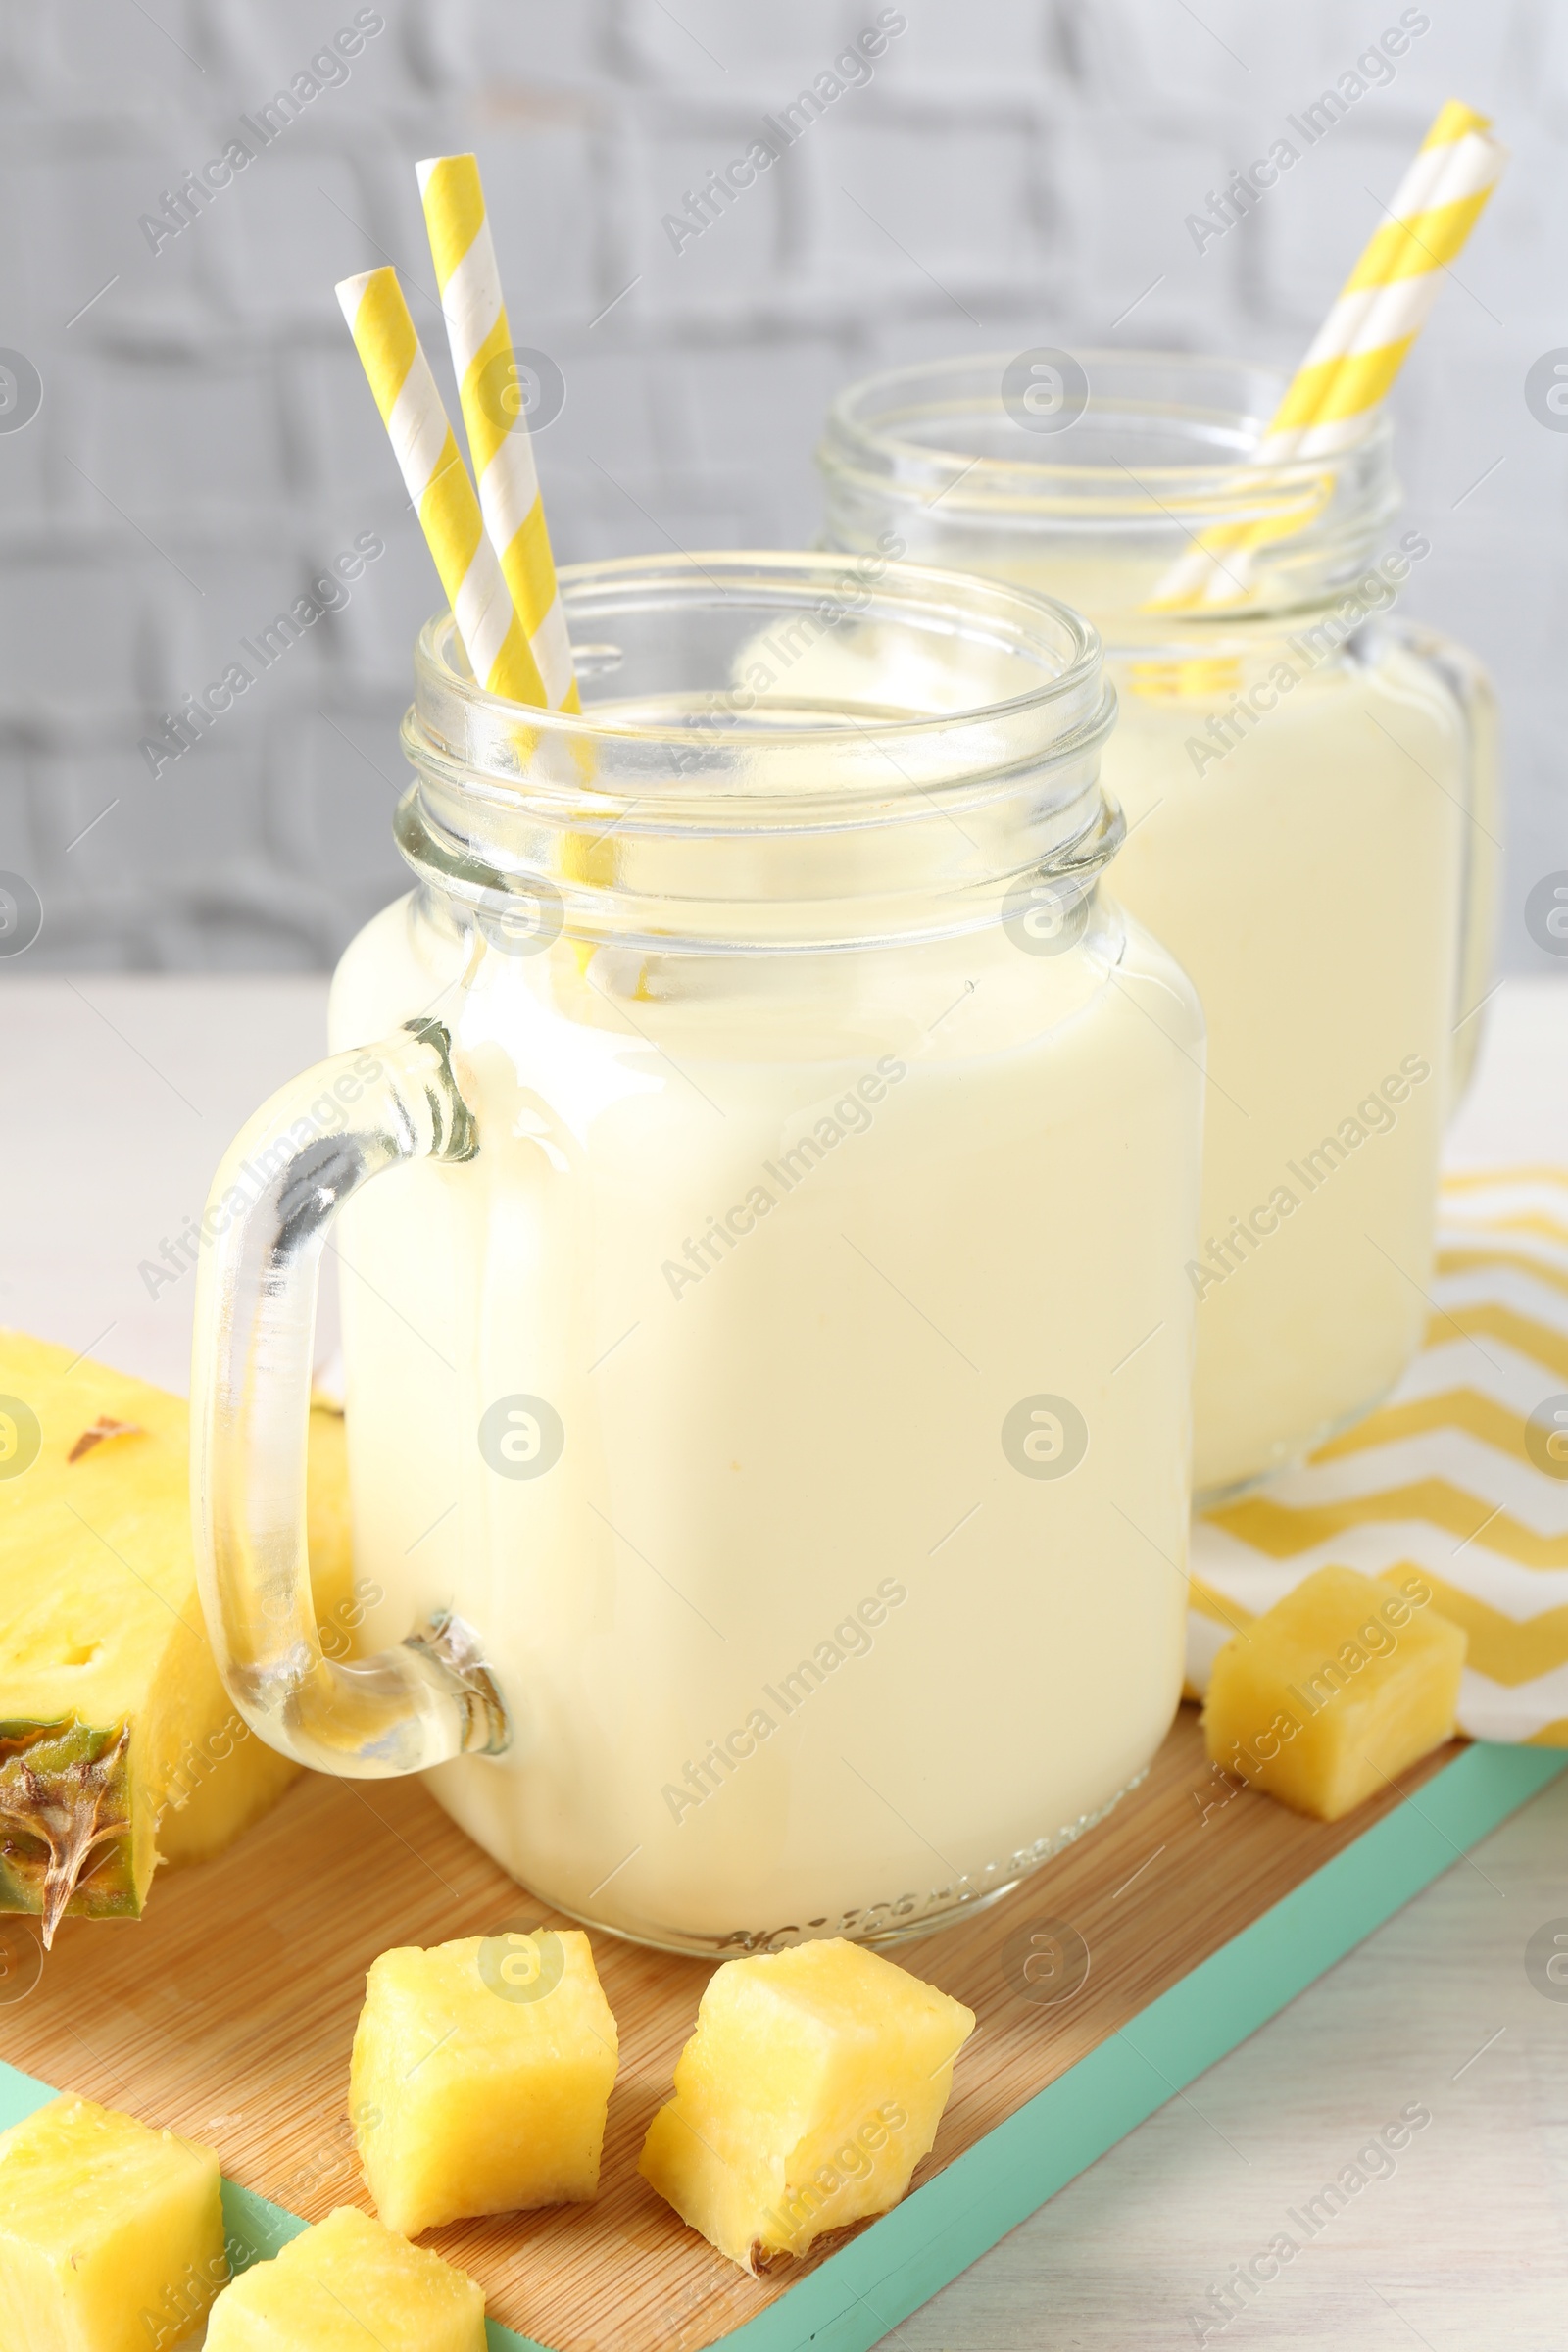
{"x":1463,"y":1474}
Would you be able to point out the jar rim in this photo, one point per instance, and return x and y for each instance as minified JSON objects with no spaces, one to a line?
{"x":831,"y":818}
{"x":858,"y":447}
{"x":1021,"y":621}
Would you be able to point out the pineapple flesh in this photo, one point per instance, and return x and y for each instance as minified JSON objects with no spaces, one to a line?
{"x":1334,"y":1692}
{"x":349,"y":2286}
{"x":111,"y":2235}
{"x":481,"y":2073}
{"x":812,"y":2089}
{"x":118,"y":1746}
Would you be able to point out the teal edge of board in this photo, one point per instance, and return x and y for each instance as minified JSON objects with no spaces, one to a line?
{"x":863,"y":2292}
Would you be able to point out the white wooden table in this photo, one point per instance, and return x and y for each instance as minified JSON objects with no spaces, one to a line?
{"x":121,"y":1095}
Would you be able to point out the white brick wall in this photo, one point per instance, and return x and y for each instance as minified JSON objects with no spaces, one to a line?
{"x":1016,"y":170}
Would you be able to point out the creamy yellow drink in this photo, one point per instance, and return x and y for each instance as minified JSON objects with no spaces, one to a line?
{"x":1306,"y":834}
{"x":806,"y":1301}
{"x":1307,"y":880}
{"x":763,"y":1205}
{"x":762,"y":1164}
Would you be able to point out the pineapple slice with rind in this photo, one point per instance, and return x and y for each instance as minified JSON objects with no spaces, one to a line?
{"x":482,"y":2070}
{"x":812,"y":2089}
{"x":111,"y":2235}
{"x":118,"y":1744}
{"x":350,"y":2285}
{"x":1334,"y":1692}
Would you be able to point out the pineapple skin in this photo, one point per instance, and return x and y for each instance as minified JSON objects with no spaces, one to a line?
{"x":470,"y":2097}
{"x":349,"y":2286}
{"x":101,"y":1629}
{"x":111,"y":2235}
{"x":1344,"y":1683}
{"x":812,"y":2089}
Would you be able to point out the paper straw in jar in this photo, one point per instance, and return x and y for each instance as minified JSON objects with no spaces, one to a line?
{"x":437,"y":481}
{"x":1362,"y":343}
{"x":500,"y":443}
{"x":1385,"y":302}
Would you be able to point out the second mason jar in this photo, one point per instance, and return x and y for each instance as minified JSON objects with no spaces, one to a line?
{"x":1308,"y":798}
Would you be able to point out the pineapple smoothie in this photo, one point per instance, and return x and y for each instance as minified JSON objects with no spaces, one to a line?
{"x":763,"y":1213}
{"x":1307,"y":879}
{"x":1307,"y":799}
{"x":764,"y":1224}
{"x":829,"y":1548}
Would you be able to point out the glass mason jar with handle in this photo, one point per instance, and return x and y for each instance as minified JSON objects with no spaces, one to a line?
{"x":1309,"y":789}
{"x":768,"y":1339}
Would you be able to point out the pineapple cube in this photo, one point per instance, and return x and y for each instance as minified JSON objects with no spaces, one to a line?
{"x":481,"y":2073}
{"x":1333,"y":1692}
{"x":110,"y":2235}
{"x":349,"y":2286}
{"x":809,"y":2091}
{"x":118,"y":1744}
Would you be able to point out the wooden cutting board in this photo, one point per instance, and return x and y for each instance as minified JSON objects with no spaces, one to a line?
{"x":1102,"y":1984}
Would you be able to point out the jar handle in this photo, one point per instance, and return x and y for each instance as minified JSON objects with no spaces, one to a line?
{"x":284,"y":1180}
{"x":1481,"y":850}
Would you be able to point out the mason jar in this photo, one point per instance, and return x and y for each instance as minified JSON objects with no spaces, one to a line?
{"x":1309,"y":789}
{"x":767,"y":1334}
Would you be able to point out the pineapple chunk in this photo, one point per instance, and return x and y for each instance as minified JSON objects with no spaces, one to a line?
{"x":349,"y":2286}
{"x":118,"y":1746}
{"x":481,"y":2074}
{"x":809,"y":2091}
{"x":1333,"y":1692}
{"x":110,"y":2235}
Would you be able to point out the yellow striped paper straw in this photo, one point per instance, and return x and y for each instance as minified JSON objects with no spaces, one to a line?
{"x":498,"y":440}
{"x":437,"y":481}
{"x":1385,"y":302}
{"x":1362,"y":344}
